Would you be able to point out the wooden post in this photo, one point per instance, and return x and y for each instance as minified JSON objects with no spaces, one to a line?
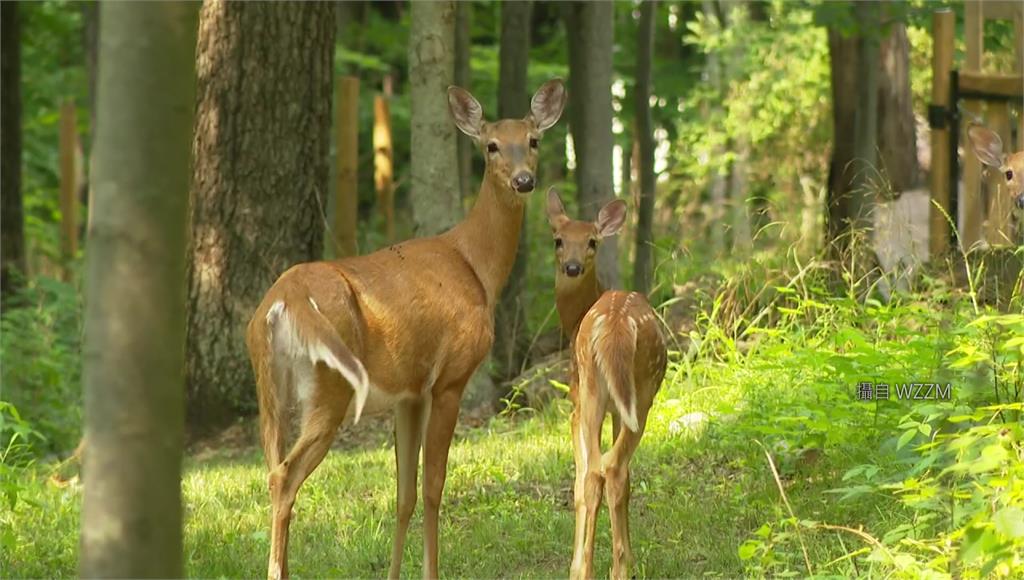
{"x":383,"y":159}
{"x":346,"y":123}
{"x":943,"y":26}
{"x":68,"y":186}
{"x":971,"y":200}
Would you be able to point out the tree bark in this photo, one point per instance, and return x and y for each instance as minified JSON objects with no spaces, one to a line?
{"x":463,"y":78}
{"x":134,"y":332}
{"x":510,"y":332}
{"x":591,"y":38}
{"x":643,"y":267}
{"x":433,"y":171}
{"x":897,"y":139}
{"x":866,"y":116}
{"x":843,"y":57}
{"x":261,"y":174}
{"x":12,"y":220}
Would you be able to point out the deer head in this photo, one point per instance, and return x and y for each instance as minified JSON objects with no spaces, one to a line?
{"x":576,"y":242}
{"x":510,"y":146}
{"x":989,"y":149}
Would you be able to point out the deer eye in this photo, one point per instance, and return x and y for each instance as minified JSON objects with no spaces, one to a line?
{"x":558,"y":243}
{"x":592,"y":244}
{"x":492,"y":147}
{"x":533,"y":142}
{"x":1009,"y":175}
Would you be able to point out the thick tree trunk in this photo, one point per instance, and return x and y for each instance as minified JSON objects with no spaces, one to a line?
{"x":510,"y":332}
{"x":12,"y":229}
{"x":897,"y":139}
{"x":843,"y":57}
{"x":433,"y":170}
{"x":135,"y":294}
{"x":865,"y":147}
{"x":261,"y":176}
{"x":591,"y":38}
{"x":643,"y":267}
{"x":463,"y":78}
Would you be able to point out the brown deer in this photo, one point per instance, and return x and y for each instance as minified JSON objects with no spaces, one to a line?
{"x":989,"y":149}
{"x":402,"y":328}
{"x":618,"y":363}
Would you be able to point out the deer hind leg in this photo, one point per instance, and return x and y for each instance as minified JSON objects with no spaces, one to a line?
{"x":615,"y":466}
{"x":324,"y":397}
{"x":587,"y":418}
{"x":409,"y":418}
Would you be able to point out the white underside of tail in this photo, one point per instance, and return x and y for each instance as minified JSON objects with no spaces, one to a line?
{"x":627,"y":409}
{"x":296,"y":358}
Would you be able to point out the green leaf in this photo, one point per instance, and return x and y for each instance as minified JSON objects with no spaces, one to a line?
{"x":1009,"y":521}
{"x":905,"y":438}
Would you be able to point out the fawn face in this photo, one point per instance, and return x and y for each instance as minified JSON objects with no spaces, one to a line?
{"x":510,"y":146}
{"x":576,"y":242}
{"x":989,"y":149}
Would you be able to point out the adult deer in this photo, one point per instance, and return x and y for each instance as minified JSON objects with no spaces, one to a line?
{"x":404,"y":327}
{"x":989,"y":149}
{"x":618,"y":363}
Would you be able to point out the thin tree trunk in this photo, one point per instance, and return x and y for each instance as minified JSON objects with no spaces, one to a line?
{"x":346,"y":144}
{"x":717,"y":185}
{"x":12,"y":229}
{"x":510,"y":332}
{"x":135,"y":300}
{"x":591,"y":38}
{"x":643,"y":267}
{"x":260,"y":181}
{"x":434,"y":172}
{"x":463,"y":78}
{"x":383,"y":159}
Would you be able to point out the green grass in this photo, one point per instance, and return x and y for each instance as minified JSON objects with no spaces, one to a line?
{"x":699,"y":498}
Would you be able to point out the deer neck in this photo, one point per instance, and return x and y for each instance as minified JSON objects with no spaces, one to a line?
{"x":489,"y":236}
{"x":574,"y":297}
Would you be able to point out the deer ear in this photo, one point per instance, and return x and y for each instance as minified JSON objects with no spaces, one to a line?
{"x":610,"y":218}
{"x":987,"y":145}
{"x":466,"y":111}
{"x":555,"y":209}
{"x":547,"y":104}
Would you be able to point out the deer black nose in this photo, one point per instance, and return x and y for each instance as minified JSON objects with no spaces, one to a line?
{"x":523,"y":182}
{"x":573,"y":269}
{"x":1020,"y":201}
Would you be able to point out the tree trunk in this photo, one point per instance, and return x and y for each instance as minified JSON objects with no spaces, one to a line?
{"x":346,"y":184}
{"x":463,"y":78}
{"x":843,"y":57}
{"x":12,"y":228}
{"x":510,"y":332}
{"x":260,"y":180}
{"x":643,"y":267}
{"x":135,"y":301}
{"x":433,"y":170}
{"x":897,"y":139}
{"x":591,"y":37}
{"x":865,"y":148}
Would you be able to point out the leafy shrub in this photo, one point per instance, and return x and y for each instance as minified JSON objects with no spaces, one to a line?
{"x":40,"y":345}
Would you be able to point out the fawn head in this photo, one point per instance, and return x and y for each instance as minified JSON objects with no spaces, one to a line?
{"x":510,"y":146}
{"x":576,"y":241}
{"x":989,"y":149}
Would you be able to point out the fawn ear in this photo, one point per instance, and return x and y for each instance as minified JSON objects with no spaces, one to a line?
{"x":547,"y":104}
{"x":466,"y":111}
{"x":987,"y":145}
{"x":610,"y":218}
{"x":556,"y":211}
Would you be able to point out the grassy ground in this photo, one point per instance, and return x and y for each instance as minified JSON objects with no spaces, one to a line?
{"x":701,"y":497}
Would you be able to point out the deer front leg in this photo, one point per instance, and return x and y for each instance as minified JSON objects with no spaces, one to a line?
{"x":408,"y":436}
{"x":444,"y":412}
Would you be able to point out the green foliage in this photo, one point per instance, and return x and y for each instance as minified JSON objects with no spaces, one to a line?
{"x":40,"y":345}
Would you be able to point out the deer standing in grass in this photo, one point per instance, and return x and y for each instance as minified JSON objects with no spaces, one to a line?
{"x":404,"y":327}
{"x":618,"y":363}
